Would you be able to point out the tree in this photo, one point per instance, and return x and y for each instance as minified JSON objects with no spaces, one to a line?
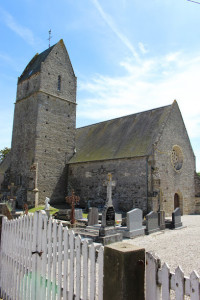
{"x":3,"y":153}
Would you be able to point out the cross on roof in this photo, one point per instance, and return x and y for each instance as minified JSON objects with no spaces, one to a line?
{"x":50,"y":37}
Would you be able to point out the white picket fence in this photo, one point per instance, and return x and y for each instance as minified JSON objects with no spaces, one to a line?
{"x":166,"y":285}
{"x":41,"y":260}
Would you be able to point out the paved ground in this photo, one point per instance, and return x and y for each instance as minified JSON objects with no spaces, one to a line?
{"x":176,"y":247}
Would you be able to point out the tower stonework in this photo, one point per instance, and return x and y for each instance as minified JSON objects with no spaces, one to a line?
{"x":44,"y":127}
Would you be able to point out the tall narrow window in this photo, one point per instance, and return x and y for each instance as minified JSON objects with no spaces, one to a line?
{"x":59,"y":83}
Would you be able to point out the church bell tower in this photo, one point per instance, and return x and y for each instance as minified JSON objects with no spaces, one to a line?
{"x":44,"y":127}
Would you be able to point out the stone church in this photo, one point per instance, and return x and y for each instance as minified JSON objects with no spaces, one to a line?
{"x":149,"y":154}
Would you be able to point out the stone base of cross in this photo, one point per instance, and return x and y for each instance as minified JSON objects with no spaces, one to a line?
{"x":72,"y":200}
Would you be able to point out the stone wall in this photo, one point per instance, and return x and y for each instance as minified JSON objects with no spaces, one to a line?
{"x":44,"y":129}
{"x":172,"y":181}
{"x":129,"y":175}
{"x":54,"y":146}
{"x":197,"y":185}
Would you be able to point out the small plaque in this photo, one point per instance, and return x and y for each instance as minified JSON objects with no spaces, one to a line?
{"x":110,"y":216}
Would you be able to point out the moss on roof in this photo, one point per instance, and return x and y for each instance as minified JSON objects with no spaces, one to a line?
{"x":128,"y":136}
{"x":34,"y":66}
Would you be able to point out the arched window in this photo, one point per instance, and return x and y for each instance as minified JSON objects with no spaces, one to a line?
{"x":59,"y":83}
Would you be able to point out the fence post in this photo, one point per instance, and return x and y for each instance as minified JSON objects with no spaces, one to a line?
{"x":124,"y":269}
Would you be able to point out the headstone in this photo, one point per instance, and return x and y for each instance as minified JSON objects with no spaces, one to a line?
{"x":152,"y":223}
{"x":176,"y":218}
{"x":78,"y":213}
{"x":161,"y":219}
{"x":108,"y":213}
{"x":134,"y":219}
{"x":134,"y":224}
{"x":93,"y":216}
{"x":107,"y":232}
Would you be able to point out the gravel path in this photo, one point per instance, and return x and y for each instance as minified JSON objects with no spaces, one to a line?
{"x":176,"y":247}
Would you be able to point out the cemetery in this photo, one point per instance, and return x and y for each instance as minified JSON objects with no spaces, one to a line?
{"x":86,"y":249}
{"x":103,"y":226}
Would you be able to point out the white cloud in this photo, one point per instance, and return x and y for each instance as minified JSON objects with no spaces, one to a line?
{"x":107,"y":18}
{"x":24,"y":32}
{"x":153,"y":83}
{"x":142,"y":48}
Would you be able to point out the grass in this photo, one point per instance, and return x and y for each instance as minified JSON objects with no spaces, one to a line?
{"x":34,"y":209}
{"x":53,"y":210}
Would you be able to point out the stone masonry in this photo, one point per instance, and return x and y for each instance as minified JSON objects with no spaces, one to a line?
{"x":44,"y":126}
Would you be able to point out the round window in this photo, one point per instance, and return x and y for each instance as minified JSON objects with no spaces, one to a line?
{"x":177,"y":158}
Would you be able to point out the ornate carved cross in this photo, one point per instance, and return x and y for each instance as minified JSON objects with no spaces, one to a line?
{"x":72,"y":200}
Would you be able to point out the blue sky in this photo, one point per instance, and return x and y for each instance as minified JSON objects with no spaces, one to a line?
{"x":128,"y":55}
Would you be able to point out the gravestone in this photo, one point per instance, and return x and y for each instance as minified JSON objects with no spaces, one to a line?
{"x":93,"y":216}
{"x":134,"y":224}
{"x":161,"y":219}
{"x":176,"y":218}
{"x":152,"y":223}
{"x":107,"y":232}
{"x":78,"y":213}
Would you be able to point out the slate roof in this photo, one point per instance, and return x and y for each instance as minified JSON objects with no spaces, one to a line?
{"x":34,"y":66}
{"x":124,"y":137}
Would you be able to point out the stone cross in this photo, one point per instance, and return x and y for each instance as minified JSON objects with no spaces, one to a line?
{"x":25,"y":209}
{"x":109,"y":185}
{"x":72,"y":200}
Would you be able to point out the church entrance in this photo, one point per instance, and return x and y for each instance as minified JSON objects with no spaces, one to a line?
{"x":176,"y":201}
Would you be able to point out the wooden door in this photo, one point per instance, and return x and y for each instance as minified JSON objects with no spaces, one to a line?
{"x":176,"y":201}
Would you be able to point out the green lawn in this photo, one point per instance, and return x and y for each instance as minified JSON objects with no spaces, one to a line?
{"x":52,"y":209}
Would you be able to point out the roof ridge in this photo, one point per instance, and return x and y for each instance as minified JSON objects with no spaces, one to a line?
{"x":162,"y":107}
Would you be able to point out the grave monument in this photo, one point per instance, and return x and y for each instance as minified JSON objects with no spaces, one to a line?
{"x":134,"y":224}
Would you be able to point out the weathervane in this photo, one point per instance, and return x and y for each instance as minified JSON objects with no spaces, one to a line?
{"x":50,"y":37}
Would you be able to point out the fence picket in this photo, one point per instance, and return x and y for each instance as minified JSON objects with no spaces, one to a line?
{"x":34,"y":258}
{"x":194,"y":286}
{"x":152,"y":289}
{"x":65,"y":275}
{"x":92,"y":272}
{"x":85,"y":269}
{"x":78,"y":267}
{"x":29,"y":258}
{"x":71,"y":281}
{"x":179,"y":284}
{"x":60,"y":239}
{"x":19,"y":290}
{"x":54,"y":281}
{"x":44,"y":258}
{"x":100,"y":273}
{"x":165,"y":282}
{"x":49,"y":261}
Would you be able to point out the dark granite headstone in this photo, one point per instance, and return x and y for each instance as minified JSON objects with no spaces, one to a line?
{"x":176,"y":218}
{"x":110,"y":216}
{"x":152,"y":222}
